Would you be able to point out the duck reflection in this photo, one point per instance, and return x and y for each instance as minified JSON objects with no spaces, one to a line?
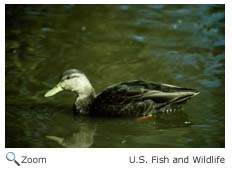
{"x":83,"y":138}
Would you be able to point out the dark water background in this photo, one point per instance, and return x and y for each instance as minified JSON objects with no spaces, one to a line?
{"x":177,"y":44}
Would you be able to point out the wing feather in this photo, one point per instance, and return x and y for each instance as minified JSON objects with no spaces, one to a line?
{"x":138,"y":97}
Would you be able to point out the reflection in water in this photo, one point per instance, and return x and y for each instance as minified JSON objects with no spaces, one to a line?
{"x":172,"y":119}
{"x":181,"y":45}
{"x":83,"y":138}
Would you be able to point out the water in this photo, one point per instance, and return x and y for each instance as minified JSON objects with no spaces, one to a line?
{"x":176,"y":44}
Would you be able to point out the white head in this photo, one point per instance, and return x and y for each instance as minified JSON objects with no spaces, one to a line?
{"x":73,"y":80}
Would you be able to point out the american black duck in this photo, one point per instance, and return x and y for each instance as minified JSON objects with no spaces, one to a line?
{"x":132,"y":98}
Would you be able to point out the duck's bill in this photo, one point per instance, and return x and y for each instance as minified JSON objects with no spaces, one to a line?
{"x":54,"y":90}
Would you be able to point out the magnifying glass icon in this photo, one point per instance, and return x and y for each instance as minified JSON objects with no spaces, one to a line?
{"x":10,"y":156}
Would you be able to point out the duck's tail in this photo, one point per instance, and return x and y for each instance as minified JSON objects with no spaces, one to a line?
{"x":181,"y":98}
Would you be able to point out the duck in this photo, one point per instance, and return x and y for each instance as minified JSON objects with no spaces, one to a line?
{"x":135,"y":98}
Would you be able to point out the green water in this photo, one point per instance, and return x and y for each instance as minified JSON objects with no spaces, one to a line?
{"x":176,"y":44}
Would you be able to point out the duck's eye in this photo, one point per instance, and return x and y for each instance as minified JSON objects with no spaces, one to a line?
{"x":68,"y":77}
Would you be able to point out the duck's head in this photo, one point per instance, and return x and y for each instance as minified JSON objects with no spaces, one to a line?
{"x":72,"y":80}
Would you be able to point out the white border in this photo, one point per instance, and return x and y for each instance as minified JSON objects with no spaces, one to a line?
{"x":118,"y":158}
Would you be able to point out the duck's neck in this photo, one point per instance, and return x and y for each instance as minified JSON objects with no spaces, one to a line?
{"x":84,"y":100}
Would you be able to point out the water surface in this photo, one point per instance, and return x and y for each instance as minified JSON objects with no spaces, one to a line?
{"x":176,"y":44}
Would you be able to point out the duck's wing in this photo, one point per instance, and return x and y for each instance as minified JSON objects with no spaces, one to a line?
{"x":138,"y":97}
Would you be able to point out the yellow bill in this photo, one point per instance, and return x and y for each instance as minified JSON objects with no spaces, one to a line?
{"x":54,"y":90}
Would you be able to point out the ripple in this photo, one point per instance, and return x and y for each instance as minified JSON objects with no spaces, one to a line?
{"x":212,"y":83}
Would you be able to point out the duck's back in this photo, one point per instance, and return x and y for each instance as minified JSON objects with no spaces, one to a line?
{"x":137,"y":98}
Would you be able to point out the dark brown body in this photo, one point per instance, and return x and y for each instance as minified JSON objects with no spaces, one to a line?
{"x":138,"y":98}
